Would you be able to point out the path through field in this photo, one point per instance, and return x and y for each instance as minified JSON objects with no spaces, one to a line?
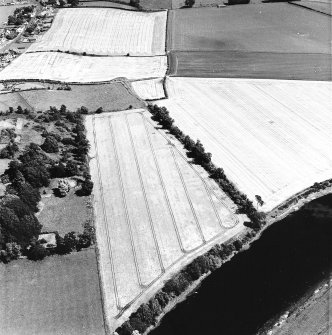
{"x":154,"y":211}
{"x":273,"y":138}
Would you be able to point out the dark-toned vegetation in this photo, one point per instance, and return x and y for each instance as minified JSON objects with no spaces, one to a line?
{"x":32,"y":169}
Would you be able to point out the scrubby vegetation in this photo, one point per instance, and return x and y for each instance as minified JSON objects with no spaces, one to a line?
{"x":197,"y":152}
{"x":32,"y":168}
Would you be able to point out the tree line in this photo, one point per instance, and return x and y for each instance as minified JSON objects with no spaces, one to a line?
{"x":197,"y":152}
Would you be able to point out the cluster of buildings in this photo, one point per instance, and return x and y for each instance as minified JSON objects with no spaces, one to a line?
{"x":28,"y":31}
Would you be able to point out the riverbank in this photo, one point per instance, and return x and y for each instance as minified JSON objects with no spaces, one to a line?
{"x":310,"y":314}
{"x":294,"y":204}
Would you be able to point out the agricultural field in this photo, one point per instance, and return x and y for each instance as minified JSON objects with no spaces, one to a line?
{"x":263,"y":133}
{"x":72,"y":68}
{"x":112,"y":97}
{"x":105,"y":31}
{"x":264,"y":65}
{"x":322,"y":6}
{"x":11,"y":100}
{"x":260,"y":40}
{"x":152,"y":209}
{"x":272,"y":27}
{"x":149,"y":89}
{"x":105,"y":4}
{"x":60,"y":295}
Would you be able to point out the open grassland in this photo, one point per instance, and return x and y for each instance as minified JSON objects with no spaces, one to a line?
{"x":149,"y":89}
{"x":152,"y":209}
{"x":59,"y":295}
{"x":235,"y":64}
{"x":12,"y":100}
{"x":271,"y":27}
{"x":105,"y":31}
{"x":321,"y":6}
{"x":72,"y":68}
{"x":273,"y":138}
{"x":112,"y":97}
{"x":65,"y":214}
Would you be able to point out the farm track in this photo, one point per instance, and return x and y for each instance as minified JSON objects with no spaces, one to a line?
{"x":142,"y":120}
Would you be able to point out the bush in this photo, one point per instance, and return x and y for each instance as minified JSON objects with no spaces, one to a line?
{"x":71,"y":240}
{"x":50,"y":145}
{"x":87,"y":187}
{"x":37,"y":252}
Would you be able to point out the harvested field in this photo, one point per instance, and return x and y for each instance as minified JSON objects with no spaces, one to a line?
{"x":72,"y":68}
{"x":59,"y":295}
{"x":105,"y":31}
{"x":263,"y":133}
{"x":112,"y":97}
{"x":269,"y":27}
{"x":152,"y":209}
{"x":149,"y":89}
{"x":236,"y":64}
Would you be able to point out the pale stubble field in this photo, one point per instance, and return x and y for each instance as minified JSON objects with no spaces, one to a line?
{"x":154,"y":212}
{"x":273,"y":138}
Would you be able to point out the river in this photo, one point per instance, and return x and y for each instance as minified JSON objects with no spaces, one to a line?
{"x":289,"y":260}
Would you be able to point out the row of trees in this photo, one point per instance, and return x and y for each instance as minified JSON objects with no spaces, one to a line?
{"x":200,"y":156}
{"x":147,"y":313}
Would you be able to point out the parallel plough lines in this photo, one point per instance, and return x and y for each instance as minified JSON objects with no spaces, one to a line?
{"x":106,"y":224}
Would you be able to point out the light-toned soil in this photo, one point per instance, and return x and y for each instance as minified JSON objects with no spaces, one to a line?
{"x":270,"y":27}
{"x":60,"y":295}
{"x":105,"y":31}
{"x":72,"y":68}
{"x":149,"y":89}
{"x":152,"y":209}
{"x":235,"y":64}
{"x":263,"y":133}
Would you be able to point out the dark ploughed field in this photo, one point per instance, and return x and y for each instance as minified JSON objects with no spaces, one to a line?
{"x":262,"y":40}
{"x":235,"y":64}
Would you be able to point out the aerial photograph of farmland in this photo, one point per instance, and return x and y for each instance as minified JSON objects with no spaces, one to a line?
{"x":165,"y":167}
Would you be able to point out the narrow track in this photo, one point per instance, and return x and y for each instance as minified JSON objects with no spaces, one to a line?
{"x":164,"y":189}
{"x":105,"y":220}
{"x":124,"y":202}
{"x":145,"y":196}
{"x":208,"y":188}
{"x":188,"y":197}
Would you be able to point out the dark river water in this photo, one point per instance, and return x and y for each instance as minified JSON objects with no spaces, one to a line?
{"x":289,"y":260}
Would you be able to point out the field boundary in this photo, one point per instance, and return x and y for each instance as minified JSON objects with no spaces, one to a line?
{"x":299,"y":4}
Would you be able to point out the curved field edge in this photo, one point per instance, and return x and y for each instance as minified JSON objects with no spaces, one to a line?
{"x":175,"y":290}
{"x":219,"y":255}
